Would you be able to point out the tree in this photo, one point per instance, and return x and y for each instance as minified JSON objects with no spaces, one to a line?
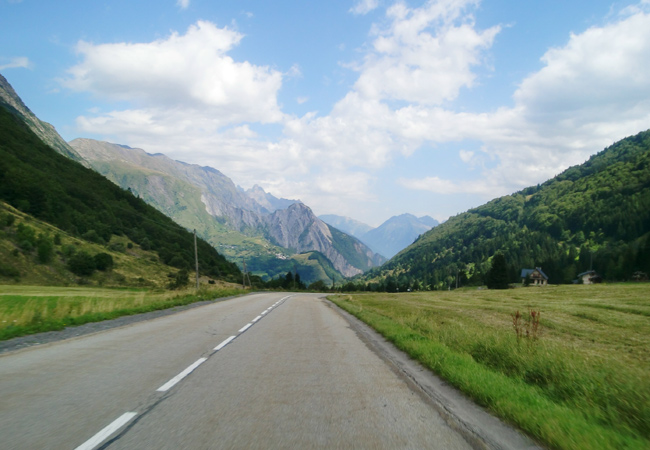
{"x":497,"y":276}
{"x":288,"y":280}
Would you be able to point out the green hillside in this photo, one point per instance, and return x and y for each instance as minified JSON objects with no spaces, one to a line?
{"x":40,"y":182}
{"x":593,"y":215}
{"x":33,"y":252}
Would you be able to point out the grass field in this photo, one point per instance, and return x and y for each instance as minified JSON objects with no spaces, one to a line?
{"x":33,"y":309}
{"x":583,"y":382}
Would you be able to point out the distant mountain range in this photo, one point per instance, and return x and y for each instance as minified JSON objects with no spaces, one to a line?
{"x":390,"y":237}
{"x":268,"y":232}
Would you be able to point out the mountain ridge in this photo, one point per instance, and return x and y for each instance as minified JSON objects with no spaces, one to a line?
{"x":197,"y":197}
{"x":46,"y":132}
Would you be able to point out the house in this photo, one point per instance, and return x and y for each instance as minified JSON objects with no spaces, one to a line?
{"x":589,"y":277}
{"x":536,"y":276}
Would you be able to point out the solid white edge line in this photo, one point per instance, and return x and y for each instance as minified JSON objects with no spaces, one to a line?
{"x":257,"y":318}
{"x":180,"y":376}
{"x":224,"y":343}
{"x":107,"y":431}
{"x":245,"y":327}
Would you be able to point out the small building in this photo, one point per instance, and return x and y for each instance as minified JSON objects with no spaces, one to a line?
{"x":589,"y":277}
{"x":536,"y":276}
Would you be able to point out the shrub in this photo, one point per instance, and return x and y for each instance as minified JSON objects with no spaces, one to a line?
{"x":93,"y":236}
{"x":69,"y":250}
{"x":103,"y":261}
{"x":82,"y":264}
{"x":117,"y":247}
{"x":45,"y":248}
{"x":181,"y":279}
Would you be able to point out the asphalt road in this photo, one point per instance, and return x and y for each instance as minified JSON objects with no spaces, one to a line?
{"x":262,"y":371}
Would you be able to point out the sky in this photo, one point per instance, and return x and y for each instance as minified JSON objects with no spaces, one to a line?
{"x":361,"y":108}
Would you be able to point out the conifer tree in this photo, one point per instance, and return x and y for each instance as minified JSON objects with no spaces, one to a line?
{"x":497,"y":276}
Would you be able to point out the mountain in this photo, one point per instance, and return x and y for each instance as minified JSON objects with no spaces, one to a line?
{"x":390,"y":237}
{"x":268,"y":201}
{"x":347,"y":225}
{"x":42,"y":183}
{"x":592,"y":215}
{"x":234,"y":221}
{"x":46,"y":132}
{"x":397,"y":233}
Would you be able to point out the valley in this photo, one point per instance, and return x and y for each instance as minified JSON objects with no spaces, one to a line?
{"x":417,"y":224}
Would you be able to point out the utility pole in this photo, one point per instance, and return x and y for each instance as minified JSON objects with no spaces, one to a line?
{"x":196,"y":261}
{"x":243,"y":280}
{"x":245,"y":276}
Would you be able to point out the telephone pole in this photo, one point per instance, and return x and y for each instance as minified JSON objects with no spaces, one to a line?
{"x":245,"y":276}
{"x":196,"y":261}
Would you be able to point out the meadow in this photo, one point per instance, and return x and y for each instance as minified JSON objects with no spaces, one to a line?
{"x":33,"y":309}
{"x":577,"y":380}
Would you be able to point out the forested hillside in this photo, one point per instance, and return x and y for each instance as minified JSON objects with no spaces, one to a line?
{"x":38,"y":181}
{"x":593,"y":215}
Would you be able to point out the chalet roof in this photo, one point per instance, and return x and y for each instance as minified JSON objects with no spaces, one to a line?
{"x":588,"y":272}
{"x":526,"y":272}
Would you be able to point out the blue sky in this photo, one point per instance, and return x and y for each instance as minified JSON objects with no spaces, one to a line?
{"x":363,"y":108}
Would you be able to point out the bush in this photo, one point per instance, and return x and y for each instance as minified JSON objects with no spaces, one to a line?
{"x":117,"y":247}
{"x":93,"y":236}
{"x":45,"y":249}
{"x":8,"y":271}
{"x":7,"y":220}
{"x":103,"y":261}
{"x":26,"y":237}
{"x":82,"y":264}
{"x":181,"y":279}
{"x":69,"y":250}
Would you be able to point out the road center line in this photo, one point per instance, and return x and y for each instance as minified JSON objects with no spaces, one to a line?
{"x":224,"y":343}
{"x":256,"y":319}
{"x":180,"y":376}
{"x":107,"y":431}
{"x":245,"y":327}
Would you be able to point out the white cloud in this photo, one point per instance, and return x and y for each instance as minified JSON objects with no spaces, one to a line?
{"x":426,"y":55}
{"x":183,"y":3}
{"x":183,"y":72}
{"x":192,"y":101}
{"x":362,"y":7}
{"x":20,"y":62}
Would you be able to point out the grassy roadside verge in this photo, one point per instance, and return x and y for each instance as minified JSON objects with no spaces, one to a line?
{"x":34,"y":309}
{"x":582,"y":384}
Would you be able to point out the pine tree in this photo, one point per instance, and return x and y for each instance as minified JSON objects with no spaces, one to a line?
{"x":497,"y":276}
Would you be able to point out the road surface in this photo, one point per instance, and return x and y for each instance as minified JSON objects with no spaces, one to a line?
{"x":262,"y":371}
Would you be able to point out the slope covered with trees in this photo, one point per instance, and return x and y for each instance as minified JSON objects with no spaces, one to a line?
{"x":595,"y":215}
{"x":40,"y":182}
